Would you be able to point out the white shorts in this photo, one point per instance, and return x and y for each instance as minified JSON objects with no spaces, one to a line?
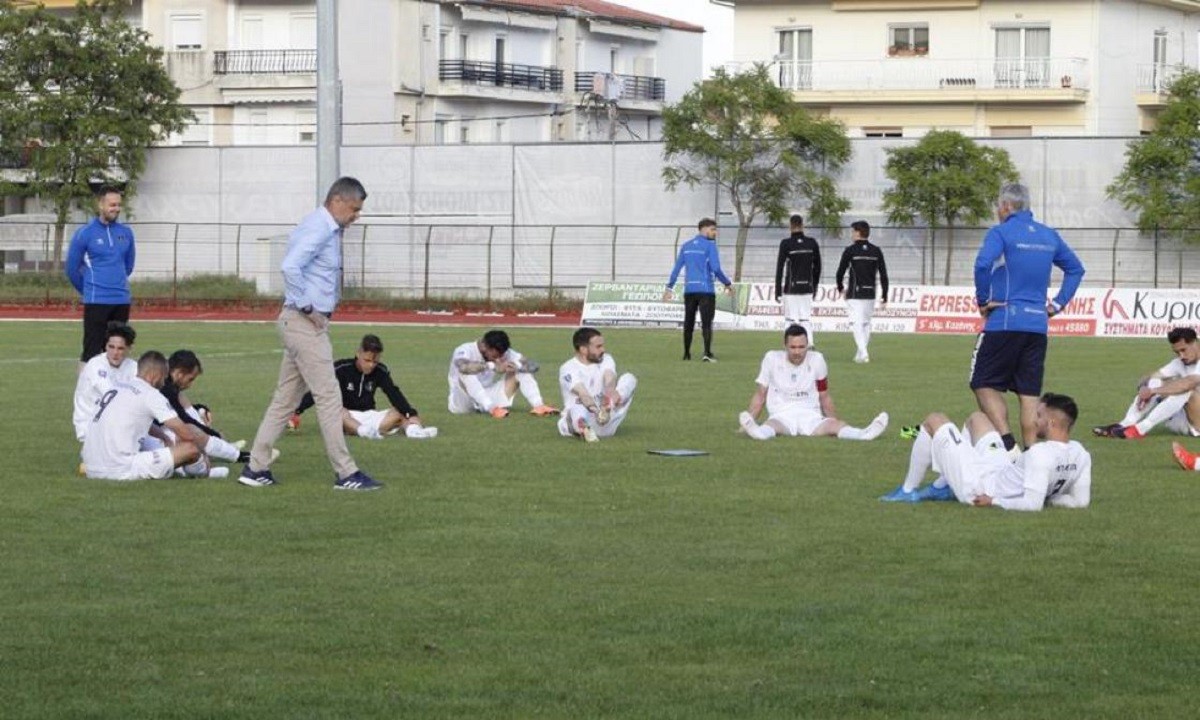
{"x":147,"y":465}
{"x":460,"y":403}
{"x":798,"y":421}
{"x":1178,"y":424}
{"x":369,"y":418}
{"x":967,"y":468}
{"x":797,"y":307}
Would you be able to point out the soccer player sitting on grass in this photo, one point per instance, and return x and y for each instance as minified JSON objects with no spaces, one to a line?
{"x":100,"y":372}
{"x":359,"y":377}
{"x":976,"y":470}
{"x":793,"y":383}
{"x":123,"y":417}
{"x":595,"y":400}
{"x":1180,"y":410}
{"x":183,"y":370}
{"x":486,"y":374}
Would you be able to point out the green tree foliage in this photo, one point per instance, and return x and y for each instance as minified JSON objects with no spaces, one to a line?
{"x":1161,"y":178}
{"x":944,"y":180}
{"x":83,"y":94}
{"x":748,"y":136}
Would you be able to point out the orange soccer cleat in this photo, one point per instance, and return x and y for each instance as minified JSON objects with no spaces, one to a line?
{"x":544,"y":410}
{"x":1186,"y":460}
{"x":293,"y":423}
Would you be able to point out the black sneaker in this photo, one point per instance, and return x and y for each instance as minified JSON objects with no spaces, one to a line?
{"x":1106,"y":430}
{"x":359,"y":480}
{"x":260,"y":478}
{"x":709,"y":357}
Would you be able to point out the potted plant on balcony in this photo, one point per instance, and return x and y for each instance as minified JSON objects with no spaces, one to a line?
{"x":1066,"y":81}
{"x":921,"y":50}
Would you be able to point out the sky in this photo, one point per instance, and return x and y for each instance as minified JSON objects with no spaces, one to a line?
{"x":717,"y":21}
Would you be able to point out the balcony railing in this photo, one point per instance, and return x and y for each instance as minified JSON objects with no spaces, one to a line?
{"x":1156,"y":77}
{"x":924,"y":73}
{"x":621,"y":87}
{"x":266,"y":62}
{"x":478,"y":72}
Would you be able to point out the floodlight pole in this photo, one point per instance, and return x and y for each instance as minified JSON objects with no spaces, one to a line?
{"x":329,"y":100}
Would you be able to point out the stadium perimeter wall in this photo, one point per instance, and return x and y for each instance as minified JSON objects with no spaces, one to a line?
{"x":502,"y":220}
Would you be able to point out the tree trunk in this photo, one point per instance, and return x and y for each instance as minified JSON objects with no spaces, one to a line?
{"x":739,"y":253}
{"x":949,"y":252}
{"x":60,"y":230}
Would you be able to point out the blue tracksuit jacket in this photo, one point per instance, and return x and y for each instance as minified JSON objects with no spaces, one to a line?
{"x":100,"y":261}
{"x":699,"y":255}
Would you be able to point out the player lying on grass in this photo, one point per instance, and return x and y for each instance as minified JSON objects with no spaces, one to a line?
{"x":359,"y":377}
{"x":125,"y":415}
{"x":793,"y":383}
{"x":486,"y":374}
{"x":595,"y":400}
{"x":100,"y":372}
{"x":1155,"y":403}
{"x":976,"y":470}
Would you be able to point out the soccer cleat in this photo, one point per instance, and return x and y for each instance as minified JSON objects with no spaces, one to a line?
{"x":544,"y":410}
{"x":499,"y":412}
{"x":1127,"y":432}
{"x":1105,"y":430}
{"x":936,"y":494}
{"x":585,"y":431}
{"x":709,"y":357}
{"x":876,"y":427}
{"x":359,"y":481}
{"x":293,"y":423}
{"x":604,"y":414}
{"x":900,"y":495}
{"x":260,"y":478}
{"x":1186,"y":460}
{"x":218,"y":472}
{"x":748,"y":425}
{"x":81,"y":471}
{"x":910,"y":432}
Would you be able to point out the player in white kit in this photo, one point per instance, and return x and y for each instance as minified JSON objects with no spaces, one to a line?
{"x":1179,"y":411}
{"x":124,"y":415}
{"x":595,"y":401}
{"x":100,"y":372}
{"x":976,"y":470}
{"x":793,"y":383}
{"x":485,"y":376}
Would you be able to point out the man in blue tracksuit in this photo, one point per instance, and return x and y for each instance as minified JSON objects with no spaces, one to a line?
{"x":1012,"y":285}
{"x":699,"y":255}
{"x":99,"y":263}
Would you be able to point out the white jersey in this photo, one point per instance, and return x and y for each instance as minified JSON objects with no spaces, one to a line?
{"x":123,"y":416}
{"x":1177,"y":369}
{"x":470,"y":353}
{"x":96,"y":378}
{"x":591,"y":375}
{"x":792,"y":386}
{"x":1051,"y":472}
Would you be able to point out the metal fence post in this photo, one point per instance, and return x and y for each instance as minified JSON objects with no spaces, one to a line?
{"x":428,"y":238}
{"x":613,"y":270}
{"x":46,"y":253}
{"x":491,"y":236}
{"x":550,"y":291}
{"x":175,"y":266}
{"x":1116,"y":239}
{"x":1156,"y":256}
{"x":237,"y":252}
{"x":362,"y":261}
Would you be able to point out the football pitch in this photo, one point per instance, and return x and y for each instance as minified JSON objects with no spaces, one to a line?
{"x":505,"y":572}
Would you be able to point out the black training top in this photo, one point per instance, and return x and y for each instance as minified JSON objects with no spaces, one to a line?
{"x":358,"y":389}
{"x":798,"y":269}
{"x":863,"y":260}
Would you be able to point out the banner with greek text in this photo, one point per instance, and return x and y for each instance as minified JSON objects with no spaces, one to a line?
{"x":1094,"y":312}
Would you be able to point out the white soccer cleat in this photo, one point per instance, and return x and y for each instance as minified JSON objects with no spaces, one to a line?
{"x":585,"y":431}
{"x":877,"y":426}
{"x":218,"y":472}
{"x":604,"y":415}
{"x":748,"y":425}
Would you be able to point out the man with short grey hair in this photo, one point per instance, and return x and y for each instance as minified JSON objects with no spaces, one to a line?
{"x":1012,"y":285}
{"x":312,"y":268}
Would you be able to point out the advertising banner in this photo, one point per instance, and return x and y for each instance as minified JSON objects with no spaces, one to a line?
{"x":930,"y":309}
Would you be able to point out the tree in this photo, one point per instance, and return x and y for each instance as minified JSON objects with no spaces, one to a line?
{"x":1161,"y":177}
{"x":944,"y":179}
{"x":746,"y":135}
{"x":82,"y":96}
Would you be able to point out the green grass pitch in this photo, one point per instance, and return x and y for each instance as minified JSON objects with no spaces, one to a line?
{"x":505,"y":572}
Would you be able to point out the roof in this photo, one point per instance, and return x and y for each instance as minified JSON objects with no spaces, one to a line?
{"x":599,"y":9}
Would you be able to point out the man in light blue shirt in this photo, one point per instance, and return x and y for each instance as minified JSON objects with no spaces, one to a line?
{"x":312,"y":270}
{"x":1012,"y":285}
{"x":700,"y":258}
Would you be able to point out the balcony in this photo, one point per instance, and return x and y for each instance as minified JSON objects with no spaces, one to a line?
{"x":928,"y":80}
{"x":1153,"y":83}
{"x":612,"y":86}
{"x":523,"y":77}
{"x":264,"y":62}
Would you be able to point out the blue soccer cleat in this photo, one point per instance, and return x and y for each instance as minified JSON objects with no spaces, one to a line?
{"x":936,"y":494}
{"x":899,"y":495}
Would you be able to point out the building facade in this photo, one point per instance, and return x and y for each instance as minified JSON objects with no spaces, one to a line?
{"x":987,"y":68}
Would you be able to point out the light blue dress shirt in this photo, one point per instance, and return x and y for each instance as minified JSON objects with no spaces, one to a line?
{"x":312,"y":264}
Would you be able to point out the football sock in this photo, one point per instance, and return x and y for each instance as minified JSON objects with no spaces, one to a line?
{"x":221,"y":449}
{"x":852,"y":433}
{"x":1009,"y":441}
{"x":529,"y":388}
{"x":919,"y":460}
{"x":626,"y":384}
{"x":1166,"y":407}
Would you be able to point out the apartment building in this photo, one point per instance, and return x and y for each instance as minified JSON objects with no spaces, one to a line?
{"x":988,"y":68}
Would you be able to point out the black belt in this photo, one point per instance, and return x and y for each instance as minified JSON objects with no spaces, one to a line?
{"x":319,"y":312}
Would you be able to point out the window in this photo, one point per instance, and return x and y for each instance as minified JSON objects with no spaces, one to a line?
{"x":439,"y":129}
{"x":464,"y":130}
{"x":252,"y":32}
{"x":464,"y":44}
{"x":500,"y":43}
{"x":908,"y":40}
{"x":614,"y":58}
{"x":1012,"y":131}
{"x":199,"y":132}
{"x":443,"y":45}
{"x":1022,"y":57}
{"x":187,"y":31}
{"x":258,"y":127}
{"x":306,"y":127}
{"x":794,"y":59}
{"x":302,"y":30}
{"x":501,"y":131}
{"x":883,"y":132}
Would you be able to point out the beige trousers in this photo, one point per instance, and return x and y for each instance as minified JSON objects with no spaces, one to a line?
{"x":307,"y":365}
